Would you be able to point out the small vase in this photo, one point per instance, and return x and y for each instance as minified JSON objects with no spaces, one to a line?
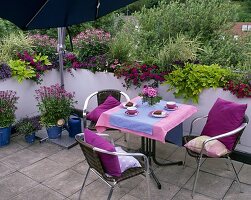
{"x":74,"y":124}
{"x":5,"y":136}
{"x":54,"y":132}
{"x":30,"y":138}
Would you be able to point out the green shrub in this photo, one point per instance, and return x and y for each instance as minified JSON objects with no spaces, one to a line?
{"x":180,"y":48}
{"x":188,"y":82}
{"x":12,"y":44}
{"x":227,"y":51}
{"x":21,"y":70}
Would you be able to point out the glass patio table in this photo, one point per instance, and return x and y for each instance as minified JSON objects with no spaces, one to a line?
{"x":151,"y":128}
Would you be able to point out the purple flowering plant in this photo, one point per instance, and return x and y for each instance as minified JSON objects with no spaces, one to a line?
{"x":136,"y":74}
{"x":54,"y":103}
{"x":8,"y":101}
{"x":5,"y":71}
{"x":150,"y":95}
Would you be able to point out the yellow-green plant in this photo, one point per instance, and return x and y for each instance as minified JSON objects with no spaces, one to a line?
{"x":188,"y":82}
{"x":13,"y":43}
{"x":21,"y":70}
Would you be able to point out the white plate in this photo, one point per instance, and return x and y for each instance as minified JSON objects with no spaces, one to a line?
{"x":163,"y":114}
{"x":124,"y":104}
{"x":171,"y":109}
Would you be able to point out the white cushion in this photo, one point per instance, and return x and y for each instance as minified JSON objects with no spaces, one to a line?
{"x":126,"y":162}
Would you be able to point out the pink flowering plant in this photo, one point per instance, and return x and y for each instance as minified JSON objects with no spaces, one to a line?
{"x":90,"y":43}
{"x":8,"y":101}
{"x":45,"y":45}
{"x":54,"y":103}
{"x":150,"y":95}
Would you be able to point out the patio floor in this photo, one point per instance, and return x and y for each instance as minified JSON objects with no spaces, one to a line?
{"x":47,"y":171}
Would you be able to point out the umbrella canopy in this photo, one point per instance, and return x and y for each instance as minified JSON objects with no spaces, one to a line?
{"x":40,"y":14}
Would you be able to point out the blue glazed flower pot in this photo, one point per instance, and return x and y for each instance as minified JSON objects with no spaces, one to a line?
{"x":54,"y":132}
{"x":30,"y":138}
{"x":5,"y":136}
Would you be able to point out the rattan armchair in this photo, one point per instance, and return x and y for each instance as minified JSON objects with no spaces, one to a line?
{"x":201,"y":155}
{"x":95,"y":165}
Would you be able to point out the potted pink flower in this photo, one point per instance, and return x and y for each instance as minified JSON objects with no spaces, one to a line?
{"x":150,"y":95}
{"x":55,"y":105}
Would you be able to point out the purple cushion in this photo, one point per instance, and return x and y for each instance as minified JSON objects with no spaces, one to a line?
{"x":109,"y":103}
{"x":110,"y":163}
{"x":223,"y":117}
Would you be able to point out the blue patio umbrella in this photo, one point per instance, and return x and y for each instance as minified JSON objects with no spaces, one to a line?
{"x":40,"y":14}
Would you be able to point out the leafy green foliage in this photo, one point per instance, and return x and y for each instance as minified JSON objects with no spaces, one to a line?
{"x":12,"y":44}
{"x":27,"y":125}
{"x":188,"y":82}
{"x":181,"y":48}
{"x":21,"y":70}
{"x":226,"y":51}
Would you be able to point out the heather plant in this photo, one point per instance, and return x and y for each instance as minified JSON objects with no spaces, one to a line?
{"x":8,"y":101}
{"x":54,"y":103}
{"x":5,"y":71}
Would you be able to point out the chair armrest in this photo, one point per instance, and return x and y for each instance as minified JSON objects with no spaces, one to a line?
{"x":240,"y":128}
{"x":146,"y":161}
{"x":193,"y":122}
{"x":125,"y":95}
{"x":86,"y":103}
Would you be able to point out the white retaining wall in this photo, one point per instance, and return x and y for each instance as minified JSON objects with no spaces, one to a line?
{"x":84,"y":82}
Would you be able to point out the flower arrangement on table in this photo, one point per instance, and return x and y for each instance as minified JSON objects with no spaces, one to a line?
{"x":54,"y":103}
{"x":150,"y":95}
{"x":8,"y":101}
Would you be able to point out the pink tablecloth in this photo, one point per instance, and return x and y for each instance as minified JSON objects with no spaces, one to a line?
{"x":160,"y":128}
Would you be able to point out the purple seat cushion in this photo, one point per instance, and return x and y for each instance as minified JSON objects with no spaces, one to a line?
{"x":223,"y":117}
{"x":109,"y":103}
{"x":110,"y":163}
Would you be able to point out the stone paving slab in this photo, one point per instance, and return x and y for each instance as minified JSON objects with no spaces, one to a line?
{"x":10,"y":149}
{"x":67,"y":183}
{"x":245,"y":174}
{"x":5,"y":170}
{"x":14,"y":184}
{"x":22,"y":159}
{"x":210,"y":185}
{"x":167,"y":191}
{"x":39,"y":192}
{"x":43,"y":170}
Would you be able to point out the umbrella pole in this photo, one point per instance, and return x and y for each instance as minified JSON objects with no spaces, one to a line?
{"x":61,"y":51}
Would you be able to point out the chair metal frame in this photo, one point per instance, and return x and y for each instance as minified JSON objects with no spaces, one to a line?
{"x":111,"y":181}
{"x":108,"y":91}
{"x":200,"y":155}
